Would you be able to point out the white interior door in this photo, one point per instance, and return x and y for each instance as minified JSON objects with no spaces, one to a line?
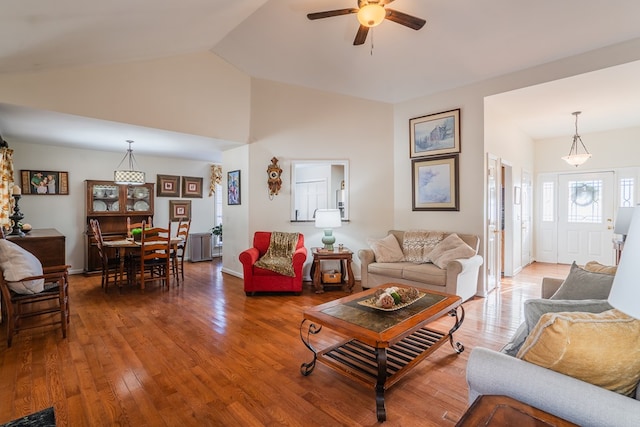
{"x":527,"y":213}
{"x":585,"y":217}
{"x":310,"y":195}
{"x":493,"y":225}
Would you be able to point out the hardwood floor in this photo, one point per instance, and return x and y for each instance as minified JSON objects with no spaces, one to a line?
{"x":204,"y":354}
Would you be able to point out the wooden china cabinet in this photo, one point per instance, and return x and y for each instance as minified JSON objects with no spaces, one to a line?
{"x":111,"y":204}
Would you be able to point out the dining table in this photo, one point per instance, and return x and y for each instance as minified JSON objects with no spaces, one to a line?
{"x":128,"y":246}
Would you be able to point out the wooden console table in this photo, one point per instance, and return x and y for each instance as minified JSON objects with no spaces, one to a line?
{"x":47,"y":244}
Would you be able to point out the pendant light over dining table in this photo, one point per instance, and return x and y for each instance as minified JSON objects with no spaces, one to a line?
{"x":574,"y":158}
{"x":128,"y":176}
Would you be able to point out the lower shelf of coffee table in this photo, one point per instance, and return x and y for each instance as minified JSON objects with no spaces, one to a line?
{"x":358,"y":361}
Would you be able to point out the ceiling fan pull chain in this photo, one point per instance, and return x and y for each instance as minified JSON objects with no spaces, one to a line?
{"x":371,"y":52}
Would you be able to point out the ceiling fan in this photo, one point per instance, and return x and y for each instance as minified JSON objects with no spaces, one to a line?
{"x":371,"y":13}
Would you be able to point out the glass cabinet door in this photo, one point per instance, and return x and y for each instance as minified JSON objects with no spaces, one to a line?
{"x":105,"y":198}
{"x":139,"y":198}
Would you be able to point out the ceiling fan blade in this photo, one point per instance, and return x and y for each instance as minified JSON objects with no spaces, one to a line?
{"x":330,"y":13}
{"x":361,"y":35}
{"x":404,"y":19}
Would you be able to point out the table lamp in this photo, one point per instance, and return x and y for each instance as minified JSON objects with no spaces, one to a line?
{"x":623,"y":221}
{"x":625,"y":292}
{"x":328,"y":219}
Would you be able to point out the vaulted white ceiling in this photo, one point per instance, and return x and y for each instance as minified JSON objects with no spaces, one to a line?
{"x":464,"y":41}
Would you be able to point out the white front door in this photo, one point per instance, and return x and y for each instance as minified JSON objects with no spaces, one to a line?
{"x":585,"y":218}
{"x":493,"y":224}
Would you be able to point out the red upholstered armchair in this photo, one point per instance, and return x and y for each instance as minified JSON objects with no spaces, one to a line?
{"x":258,"y":279}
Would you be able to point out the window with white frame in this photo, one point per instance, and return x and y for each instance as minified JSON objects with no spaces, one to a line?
{"x":548,"y":201}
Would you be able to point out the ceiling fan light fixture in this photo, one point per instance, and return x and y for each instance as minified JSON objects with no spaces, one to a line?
{"x":371,"y":15}
{"x":574,"y":158}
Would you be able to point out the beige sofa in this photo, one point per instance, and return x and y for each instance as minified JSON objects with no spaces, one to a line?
{"x":460,"y":277}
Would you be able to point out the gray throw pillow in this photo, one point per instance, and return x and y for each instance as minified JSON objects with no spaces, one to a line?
{"x":583,"y":284}
{"x":535,"y":308}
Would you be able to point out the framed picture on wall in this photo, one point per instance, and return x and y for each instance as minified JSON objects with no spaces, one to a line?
{"x":168,"y":186}
{"x":435,"y":184}
{"x":435,"y":134}
{"x":191,"y":186}
{"x":233,"y":187}
{"x":179,"y":210}
{"x":43,"y":182}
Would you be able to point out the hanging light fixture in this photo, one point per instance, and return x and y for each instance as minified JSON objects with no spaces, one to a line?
{"x":371,"y":14}
{"x":128,"y":176}
{"x":574,"y":158}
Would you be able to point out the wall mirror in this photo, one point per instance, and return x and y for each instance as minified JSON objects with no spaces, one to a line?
{"x":319,"y":184}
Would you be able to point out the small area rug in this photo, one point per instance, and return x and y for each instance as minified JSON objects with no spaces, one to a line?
{"x":44,"y":418}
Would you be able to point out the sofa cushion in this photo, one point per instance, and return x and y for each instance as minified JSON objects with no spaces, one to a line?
{"x":390,"y":269}
{"x":425,"y":273}
{"x":599,"y":348}
{"x":450,"y":248}
{"x":583,"y":284}
{"x":418,"y":244}
{"x":535,"y":308}
{"x":386,"y":249}
{"x":18,"y":263}
{"x":596,"y":267}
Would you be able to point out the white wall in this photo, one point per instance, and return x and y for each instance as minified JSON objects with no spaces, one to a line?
{"x":235,"y":218}
{"x":295,"y":123}
{"x":613,"y":149}
{"x":68,"y":213}
{"x":470,"y":99}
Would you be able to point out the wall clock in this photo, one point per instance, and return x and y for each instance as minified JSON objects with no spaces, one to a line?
{"x":274,"y":181}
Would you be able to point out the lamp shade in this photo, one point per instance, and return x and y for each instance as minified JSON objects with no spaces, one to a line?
{"x":128,"y":177}
{"x":371,"y":15}
{"x":625,"y":292}
{"x":623,"y":221}
{"x":576,"y":159}
{"x":328,"y":218}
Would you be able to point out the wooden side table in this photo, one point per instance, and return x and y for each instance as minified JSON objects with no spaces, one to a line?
{"x":488,"y":410}
{"x":345,"y":256}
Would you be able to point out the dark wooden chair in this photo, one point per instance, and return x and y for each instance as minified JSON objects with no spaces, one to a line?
{"x":110,"y":265}
{"x":42,"y":306}
{"x":155,"y":255}
{"x":131,"y":225}
{"x":177,"y":255}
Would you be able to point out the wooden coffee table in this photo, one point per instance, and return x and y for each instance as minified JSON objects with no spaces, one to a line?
{"x":382,"y":346}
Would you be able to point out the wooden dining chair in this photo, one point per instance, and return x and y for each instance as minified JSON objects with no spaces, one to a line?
{"x":110,"y":265}
{"x":131,"y":225}
{"x":155,"y":255}
{"x":177,"y":255}
{"x":18,"y":266}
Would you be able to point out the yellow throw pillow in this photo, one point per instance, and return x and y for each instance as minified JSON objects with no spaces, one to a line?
{"x":599,"y":348}
{"x":596,"y":267}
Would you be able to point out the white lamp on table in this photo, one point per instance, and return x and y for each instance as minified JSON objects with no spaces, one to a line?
{"x":328,"y":219}
{"x":625,"y":292}
{"x":623,"y":221}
